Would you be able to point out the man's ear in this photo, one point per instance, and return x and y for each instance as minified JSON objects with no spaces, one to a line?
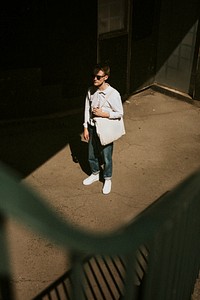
{"x":106,"y":77}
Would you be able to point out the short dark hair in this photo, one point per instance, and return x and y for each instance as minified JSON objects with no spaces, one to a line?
{"x":103,"y":67}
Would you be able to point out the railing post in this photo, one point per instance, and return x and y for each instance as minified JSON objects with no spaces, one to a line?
{"x":77,"y":276}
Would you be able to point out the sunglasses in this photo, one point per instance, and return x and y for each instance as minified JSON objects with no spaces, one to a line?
{"x":98,"y":77}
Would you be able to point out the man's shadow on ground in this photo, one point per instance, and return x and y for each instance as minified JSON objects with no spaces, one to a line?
{"x":79,"y":152}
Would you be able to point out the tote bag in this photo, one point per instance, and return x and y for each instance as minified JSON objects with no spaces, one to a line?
{"x":109,"y":130}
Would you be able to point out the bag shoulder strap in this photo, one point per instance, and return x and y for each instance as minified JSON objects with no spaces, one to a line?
{"x":106,"y":98}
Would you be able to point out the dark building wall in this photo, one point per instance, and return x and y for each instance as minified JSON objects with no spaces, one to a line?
{"x":47,"y":51}
{"x":160,"y":45}
{"x":176,"y":43}
{"x":145,"y":16}
{"x":165,"y":45}
{"x":49,"y":48}
{"x":114,"y":50}
{"x":176,"y":18}
{"x":132,"y":52}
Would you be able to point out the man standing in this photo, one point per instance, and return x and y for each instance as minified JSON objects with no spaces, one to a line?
{"x":104,"y":101}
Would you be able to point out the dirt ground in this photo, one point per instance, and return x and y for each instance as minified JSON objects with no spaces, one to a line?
{"x":161,"y":148}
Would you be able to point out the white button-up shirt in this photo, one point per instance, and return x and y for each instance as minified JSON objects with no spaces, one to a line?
{"x":109,"y":100}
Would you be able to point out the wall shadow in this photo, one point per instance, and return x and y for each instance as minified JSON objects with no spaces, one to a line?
{"x":101,"y":270}
{"x":26,"y":145}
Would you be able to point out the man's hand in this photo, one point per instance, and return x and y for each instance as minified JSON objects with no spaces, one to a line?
{"x":86,"y":134}
{"x":99,"y":113}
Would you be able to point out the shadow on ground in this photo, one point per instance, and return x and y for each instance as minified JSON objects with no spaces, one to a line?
{"x":26,"y":145}
{"x":99,"y":272}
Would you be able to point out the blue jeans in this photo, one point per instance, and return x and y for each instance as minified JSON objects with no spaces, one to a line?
{"x":97,"y":153}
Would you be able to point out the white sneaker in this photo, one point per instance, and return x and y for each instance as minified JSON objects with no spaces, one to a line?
{"x":107,"y":186}
{"x":92,"y":178}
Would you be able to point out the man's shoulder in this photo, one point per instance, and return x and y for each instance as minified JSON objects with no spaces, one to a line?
{"x":112,"y":90}
{"x":92,"y":90}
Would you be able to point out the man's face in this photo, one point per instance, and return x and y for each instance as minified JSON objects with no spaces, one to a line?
{"x":99,"y":78}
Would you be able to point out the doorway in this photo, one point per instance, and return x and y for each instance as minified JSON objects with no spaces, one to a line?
{"x":113,"y":40}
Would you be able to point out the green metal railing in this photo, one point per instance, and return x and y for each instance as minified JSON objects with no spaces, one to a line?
{"x":155,"y":257}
